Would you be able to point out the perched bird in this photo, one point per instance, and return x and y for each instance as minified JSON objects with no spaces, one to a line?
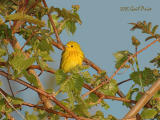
{"x":71,"y":56}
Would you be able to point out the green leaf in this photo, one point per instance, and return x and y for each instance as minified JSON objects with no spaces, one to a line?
{"x":45,"y":45}
{"x":93,"y":98}
{"x":146,"y":76}
{"x":19,"y":62}
{"x":154,"y":29}
{"x":156,"y":60}
{"x":30,"y":116}
{"x":99,"y":115}
{"x":104,"y":105}
{"x":138,"y":96}
{"x":70,"y":27}
{"x":45,"y":56}
{"x":130,"y":93}
{"x":148,"y":113}
{"x":2,"y":52}
{"x":17,"y":101}
{"x":121,"y":56}
{"x":60,"y":77}
{"x":110,"y":89}
{"x":43,"y":64}
{"x":31,"y":78}
{"x":87,"y":77}
{"x":81,"y":110}
{"x":25,"y":17}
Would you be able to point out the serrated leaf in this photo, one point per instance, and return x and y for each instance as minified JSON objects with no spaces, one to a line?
{"x":98,"y":115}
{"x":17,"y":101}
{"x":154,"y":29}
{"x":156,"y":60}
{"x":45,"y":45}
{"x":87,"y":77}
{"x":148,"y":113}
{"x":131,"y":91}
{"x":60,"y":77}
{"x":45,"y":56}
{"x":81,"y":110}
{"x":93,"y":98}
{"x":50,"y":91}
{"x":105,"y":105}
{"x":150,"y":37}
{"x":70,"y":27}
{"x":30,"y":116}
{"x":138,"y":96}
{"x":25,"y":17}
{"x":121,"y":56}
{"x":146,"y":76}
{"x":43,"y":64}
{"x":19,"y":62}
{"x":31,"y":78}
{"x":2,"y":52}
{"x":110,"y":89}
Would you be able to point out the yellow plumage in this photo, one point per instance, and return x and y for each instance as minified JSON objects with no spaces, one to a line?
{"x":71,"y":56}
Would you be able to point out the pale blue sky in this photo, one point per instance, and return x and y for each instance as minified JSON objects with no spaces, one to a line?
{"x":104,"y":31}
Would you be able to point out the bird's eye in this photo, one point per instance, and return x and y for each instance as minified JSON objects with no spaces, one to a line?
{"x":71,"y":45}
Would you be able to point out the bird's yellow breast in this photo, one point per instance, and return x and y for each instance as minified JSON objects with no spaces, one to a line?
{"x":71,"y":59}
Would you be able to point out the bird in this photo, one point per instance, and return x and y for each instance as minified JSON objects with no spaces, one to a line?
{"x":71,"y":57}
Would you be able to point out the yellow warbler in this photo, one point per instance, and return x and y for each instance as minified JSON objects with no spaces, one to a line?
{"x":71,"y":56}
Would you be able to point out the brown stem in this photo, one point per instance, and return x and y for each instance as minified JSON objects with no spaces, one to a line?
{"x":53,"y":111}
{"x":53,"y":24}
{"x":27,"y":40}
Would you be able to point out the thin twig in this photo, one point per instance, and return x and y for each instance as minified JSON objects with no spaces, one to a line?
{"x":124,"y":81}
{"x":21,"y":90}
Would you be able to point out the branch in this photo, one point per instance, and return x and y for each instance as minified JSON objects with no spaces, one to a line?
{"x":100,"y":95}
{"x":51,"y":97}
{"x":53,"y":111}
{"x":53,"y":24}
{"x":132,"y":56}
{"x":145,"y":98}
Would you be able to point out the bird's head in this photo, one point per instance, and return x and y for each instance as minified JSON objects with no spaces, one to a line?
{"x":71,"y":45}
